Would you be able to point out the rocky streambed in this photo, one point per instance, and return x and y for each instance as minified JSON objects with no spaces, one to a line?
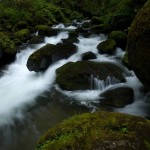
{"x":69,"y":74}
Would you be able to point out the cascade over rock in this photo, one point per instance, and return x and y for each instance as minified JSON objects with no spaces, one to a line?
{"x":77,"y":75}
{"x":139,"y":45}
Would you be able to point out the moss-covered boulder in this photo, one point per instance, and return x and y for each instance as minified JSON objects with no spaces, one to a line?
{"x":23,"y":35}
{"x":78,"y":75}
{"x":120,"y":38}
{"x":107,"y":47}
{"x":117,"y":97}
{"x":139,"y":45}
{"x":99,"y":130}
{"x":45,"y":56}
{"x":88,"y":55}
{"x":46,"y":30}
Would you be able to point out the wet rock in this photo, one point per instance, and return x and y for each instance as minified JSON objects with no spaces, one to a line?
{"x":98,"y":131}
{"x":45,"y":56}
{"x":107,"y":47}
{"x":139,"y":45}
{"x":88,"y":55}
{"x":77,"y":75}
{"x":117,"y":97}
{"x":120,"y":38}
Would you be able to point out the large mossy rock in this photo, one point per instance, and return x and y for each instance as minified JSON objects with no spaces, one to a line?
{"x":77,"y":75}
{"x":45,"y":56}
{"x":139,"y":45}
{"x":117,"y":97}
{"x":98,"y":131}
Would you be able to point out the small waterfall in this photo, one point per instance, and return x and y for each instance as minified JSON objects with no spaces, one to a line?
{"x":97,"y":84}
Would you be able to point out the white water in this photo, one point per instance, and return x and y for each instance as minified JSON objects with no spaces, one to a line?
{"x":20,"y":87}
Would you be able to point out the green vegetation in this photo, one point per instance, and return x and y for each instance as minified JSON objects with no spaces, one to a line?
{"x":6,"y":45}
{"x":23,"y":34}
{"x":100,"y":130}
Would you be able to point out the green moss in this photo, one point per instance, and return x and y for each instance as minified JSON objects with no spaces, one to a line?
{"x":23,"y":34}
{"x":98,"y":130}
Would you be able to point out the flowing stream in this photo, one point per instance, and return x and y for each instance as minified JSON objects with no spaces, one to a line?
{"x":30,"y":102}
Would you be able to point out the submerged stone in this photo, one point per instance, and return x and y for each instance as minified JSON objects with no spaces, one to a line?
{"x":99,"y":130}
